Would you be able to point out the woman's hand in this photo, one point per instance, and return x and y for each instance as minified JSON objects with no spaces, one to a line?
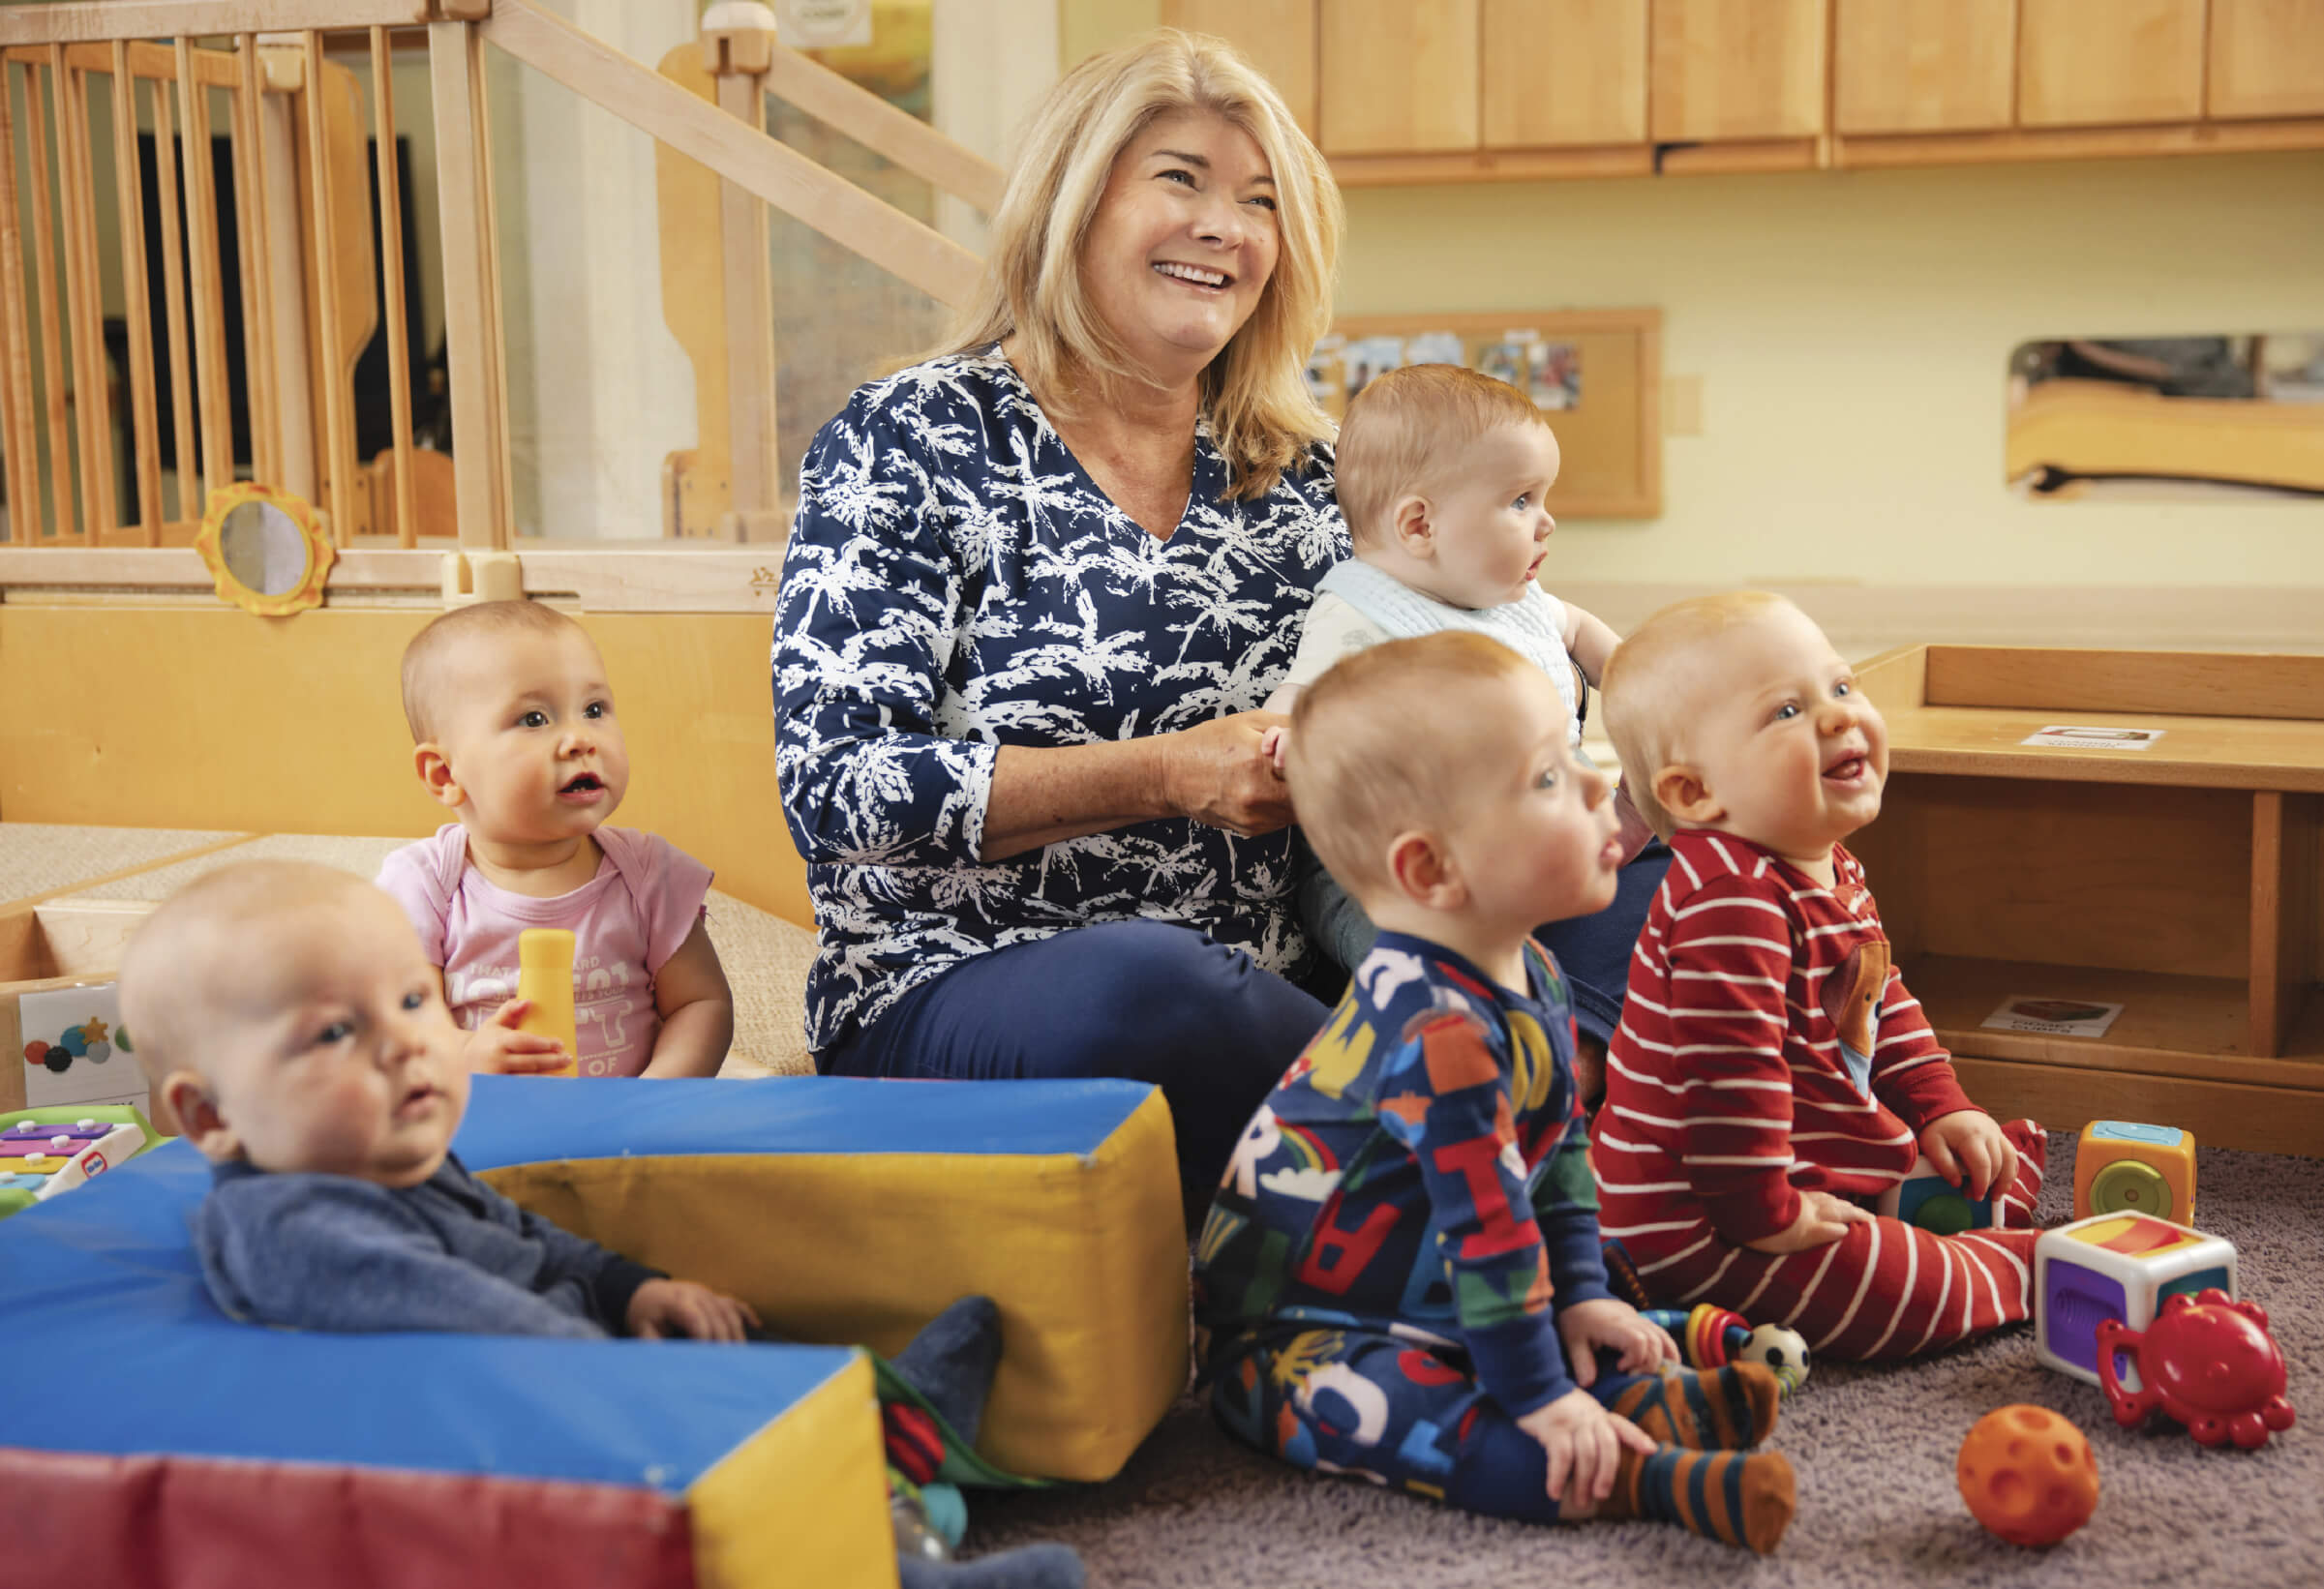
{"x":1223,"y":774}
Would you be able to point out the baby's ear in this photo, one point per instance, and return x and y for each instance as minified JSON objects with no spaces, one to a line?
{"x":183,"y":1103}
{"x":434,"y":768}
{"x":1424,"y":873}
{"x":1680,"y":791}
{"x":1413,"y":519}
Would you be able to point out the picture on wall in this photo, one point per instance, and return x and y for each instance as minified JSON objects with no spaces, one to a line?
{"x":1595,"y":373}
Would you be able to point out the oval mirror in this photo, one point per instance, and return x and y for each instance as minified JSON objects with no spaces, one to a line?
{"x":266,"y":550}
{"x":263,"y":548}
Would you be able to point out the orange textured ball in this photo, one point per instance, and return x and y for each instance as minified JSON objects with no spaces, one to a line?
{"x":2028,"y":1474}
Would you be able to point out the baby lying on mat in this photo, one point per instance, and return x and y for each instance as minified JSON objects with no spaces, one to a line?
{"x":287,"y":1018}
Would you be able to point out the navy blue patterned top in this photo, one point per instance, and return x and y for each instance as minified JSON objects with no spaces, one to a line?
{"x":955,"y":582}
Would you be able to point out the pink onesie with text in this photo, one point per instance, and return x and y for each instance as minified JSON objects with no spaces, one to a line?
{"x":625,"y":921}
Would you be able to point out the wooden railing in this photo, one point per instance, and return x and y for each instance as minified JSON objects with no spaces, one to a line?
{"x":261,"y":89}
{"x":303,"y":225}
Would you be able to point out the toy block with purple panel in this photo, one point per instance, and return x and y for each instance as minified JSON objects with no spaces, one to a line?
{"x":2117,"y":1267}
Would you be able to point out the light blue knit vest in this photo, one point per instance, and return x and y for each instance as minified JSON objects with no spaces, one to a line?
{"x":1528,"y":626}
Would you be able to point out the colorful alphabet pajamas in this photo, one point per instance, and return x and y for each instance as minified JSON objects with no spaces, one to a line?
{"x":1376,"y":1285}
{"x":1768,"y":1047}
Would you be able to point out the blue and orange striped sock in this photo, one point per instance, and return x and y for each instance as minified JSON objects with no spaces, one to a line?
{"x":1723,"y":1496}
{"x":1717,"y":1409}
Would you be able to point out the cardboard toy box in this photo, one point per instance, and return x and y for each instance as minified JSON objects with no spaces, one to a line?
{"x":59,"y":1011}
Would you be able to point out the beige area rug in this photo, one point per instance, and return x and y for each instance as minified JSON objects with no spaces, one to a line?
{"x":41,"y":858}
{"x":766,"y":956}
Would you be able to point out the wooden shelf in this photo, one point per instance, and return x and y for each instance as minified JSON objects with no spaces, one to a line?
{"x":2173,"y":1057}
{"x":2194,"y":752}
{"x":2170,"y":1025}
{"x":2184,"y":881}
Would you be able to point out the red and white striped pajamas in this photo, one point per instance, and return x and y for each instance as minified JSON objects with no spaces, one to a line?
{"x":1729,"y":1091}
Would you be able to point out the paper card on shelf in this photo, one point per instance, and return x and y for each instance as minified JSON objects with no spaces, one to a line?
{"x":2070,"y":737}
{"x":2058,"y":1017}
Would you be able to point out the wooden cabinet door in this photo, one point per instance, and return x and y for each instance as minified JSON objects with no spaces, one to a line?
{"x":1277,"y":36}
{"x":2267,"y":58}
{"x":1397,"y":75}
{"x":2083,"y":63}
{"x":1737,"y":69}
{"x":1924,"y":65}
{"x":1564,"y":73}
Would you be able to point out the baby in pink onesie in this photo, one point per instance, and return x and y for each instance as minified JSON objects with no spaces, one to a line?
{"x":514,"y":730}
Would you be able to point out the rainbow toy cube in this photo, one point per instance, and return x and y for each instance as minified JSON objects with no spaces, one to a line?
{"x":1926,"y":1199}
{"x":2120,"y":1266}
{"x":2123,"y":1168}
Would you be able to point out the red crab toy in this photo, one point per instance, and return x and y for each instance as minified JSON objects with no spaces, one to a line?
{"x":2207,"y":1361}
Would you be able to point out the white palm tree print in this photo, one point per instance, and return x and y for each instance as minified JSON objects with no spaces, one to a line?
{"x":955,"y":582}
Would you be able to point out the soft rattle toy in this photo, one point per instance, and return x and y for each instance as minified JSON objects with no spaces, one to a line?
{"x":1712,"y":1337}
{"x":2207,"y":1361}
{"x":2028,"y":1474}
{"x":545,"y":979}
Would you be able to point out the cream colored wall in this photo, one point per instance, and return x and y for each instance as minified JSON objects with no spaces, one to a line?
{"x":1850,"y":331}
{"x":1087,"y":26}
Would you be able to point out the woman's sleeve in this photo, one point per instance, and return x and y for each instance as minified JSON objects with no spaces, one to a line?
{"x":864,"y":624}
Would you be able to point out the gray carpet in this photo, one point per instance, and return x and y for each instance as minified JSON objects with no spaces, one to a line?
{"x":1874,"y":1447}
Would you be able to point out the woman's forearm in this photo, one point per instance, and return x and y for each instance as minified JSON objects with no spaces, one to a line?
{"x":1042,"y":795}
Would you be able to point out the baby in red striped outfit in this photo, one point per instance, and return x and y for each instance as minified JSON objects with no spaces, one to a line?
{"x":1771,"y":1075}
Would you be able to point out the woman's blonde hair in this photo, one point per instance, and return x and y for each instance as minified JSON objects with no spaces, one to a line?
{"x":1255,"y":393}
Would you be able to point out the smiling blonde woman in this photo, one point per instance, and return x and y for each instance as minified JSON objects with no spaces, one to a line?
{"x":1037,"y":586}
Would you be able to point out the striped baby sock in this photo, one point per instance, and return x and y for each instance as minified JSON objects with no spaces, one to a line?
{"x":1723,"y":1496}
{"x":1718,"y":1409}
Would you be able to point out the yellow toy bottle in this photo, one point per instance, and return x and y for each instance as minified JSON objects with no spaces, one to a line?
{"x":545,"y":979}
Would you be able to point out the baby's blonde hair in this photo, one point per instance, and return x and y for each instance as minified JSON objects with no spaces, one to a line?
{"x":1254,"y":393}
{"x":425,"y":658}
{"x":1660,"y":678}
{"x":1410,"y":427}
{"x":1374,"y":743}
{"x":178,"y":955}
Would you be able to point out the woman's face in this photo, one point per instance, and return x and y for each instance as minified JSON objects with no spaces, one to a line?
{"x":1183,"y":242}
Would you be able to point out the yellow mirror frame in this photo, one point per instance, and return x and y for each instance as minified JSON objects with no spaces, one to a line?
{"x":306,"y":593}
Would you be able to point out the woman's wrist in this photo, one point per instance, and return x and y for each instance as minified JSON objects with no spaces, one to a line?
{"x":1158,"y":775}
{"x":1042,"y":794}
